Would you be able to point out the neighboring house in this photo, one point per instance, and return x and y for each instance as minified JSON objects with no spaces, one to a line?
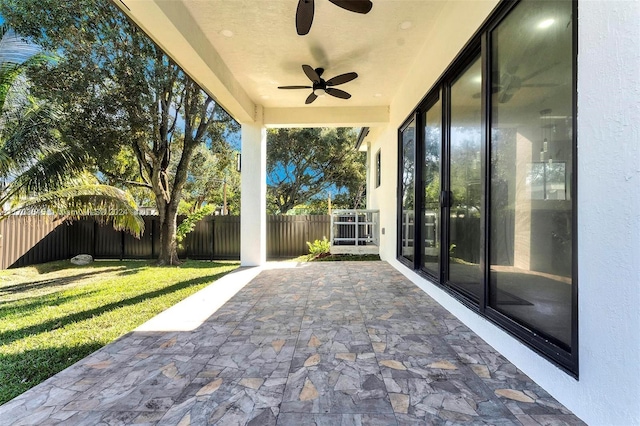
{"x":504,"y":158}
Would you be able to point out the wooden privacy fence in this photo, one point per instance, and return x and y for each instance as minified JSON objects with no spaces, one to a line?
{"x":28,"y":240}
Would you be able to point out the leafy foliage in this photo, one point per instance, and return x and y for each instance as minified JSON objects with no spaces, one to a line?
{"x":120,"y":91}
{"x":211,"y":174}
{"x":189,"y":223}
{"x":319,"y":247}
{"x":304,"y":163}
{"x":39,"y":170}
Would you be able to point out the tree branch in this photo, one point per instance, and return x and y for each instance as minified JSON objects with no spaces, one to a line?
{"x":128,"y":182}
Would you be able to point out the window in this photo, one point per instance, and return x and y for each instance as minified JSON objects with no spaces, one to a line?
{"x":547,"y":181}
{"x":407,"y":186}
{"x":492,"y":175}
{"x":378,"y":168}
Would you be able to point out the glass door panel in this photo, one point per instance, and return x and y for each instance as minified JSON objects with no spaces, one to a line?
{"x":465,"y":169}
{"x":431,"y":180}
{"x":532,"y":114}
{"x":408,"y":191}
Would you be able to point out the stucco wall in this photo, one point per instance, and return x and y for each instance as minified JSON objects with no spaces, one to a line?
{"x":608,"y":206}
{"x":609,"y":212}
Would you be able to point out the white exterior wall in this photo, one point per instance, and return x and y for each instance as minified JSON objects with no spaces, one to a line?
{"x":608,"y":390}
{"x":609,"y":212}
{"x":253,"y":206}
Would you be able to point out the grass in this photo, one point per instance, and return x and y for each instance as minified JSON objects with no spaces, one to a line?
{"x":54,"y":314}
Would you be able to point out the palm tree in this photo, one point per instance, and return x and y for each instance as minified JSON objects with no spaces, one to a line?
{"x":38,"y":171}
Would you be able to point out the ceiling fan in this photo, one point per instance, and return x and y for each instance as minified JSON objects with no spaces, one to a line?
{"x":320,"y":86}
{"x":508,"y":84}
{"x":304,"y":14}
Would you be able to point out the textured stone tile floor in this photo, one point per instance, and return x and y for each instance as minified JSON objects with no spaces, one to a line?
{"x":319,"y":344}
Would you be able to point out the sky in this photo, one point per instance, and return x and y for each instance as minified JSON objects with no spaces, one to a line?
{"x":15,"y":49}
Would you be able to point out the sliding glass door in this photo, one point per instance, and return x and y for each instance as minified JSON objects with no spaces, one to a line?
{"x":486,"y":197}
{"x":407,"y":191}
{"x":431,"y":184}
{"x":532,"y":164}
{"x":465,"y":174}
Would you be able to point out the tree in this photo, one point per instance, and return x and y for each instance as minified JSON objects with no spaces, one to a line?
{"x":213,"y":179}
{"x":120,"y":91}
{"x":38,"y":170}
{"x":304,"y":163}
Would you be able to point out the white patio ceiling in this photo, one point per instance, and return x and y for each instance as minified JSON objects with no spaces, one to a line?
{"x":242,"y":50}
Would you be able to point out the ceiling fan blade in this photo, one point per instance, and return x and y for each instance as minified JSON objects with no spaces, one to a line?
{"x":304,"y":16}
{"x":338,"y":93}
{"x":494,"y":89}
{"x":342,"y":78}
{"x":539,"y":71}
{"x":358,"y":6}
{"x":311,"y":73}
{"x":295,"y":87}
{"x":540,"y":85}
{"x":505,"y":97}
{"x":312,"y":97}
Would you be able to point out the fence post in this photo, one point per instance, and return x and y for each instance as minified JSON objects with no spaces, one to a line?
{"x":121,"y":246}
{"x":213,"y":237}
{"x":1,"y":244}
{"x":94,"y":241}
{"x":307,"y":228}
{"x":153,"y":245}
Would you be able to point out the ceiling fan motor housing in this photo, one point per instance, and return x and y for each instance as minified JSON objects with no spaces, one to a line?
{"x":320,"y":89}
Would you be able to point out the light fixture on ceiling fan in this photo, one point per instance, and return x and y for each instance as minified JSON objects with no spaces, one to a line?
{"x":321,"y":87}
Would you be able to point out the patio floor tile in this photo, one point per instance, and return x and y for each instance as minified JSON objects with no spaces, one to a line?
{"x":350,"y":344}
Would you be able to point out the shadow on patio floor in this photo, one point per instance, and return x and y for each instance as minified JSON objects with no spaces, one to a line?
{"x":342,"y":344}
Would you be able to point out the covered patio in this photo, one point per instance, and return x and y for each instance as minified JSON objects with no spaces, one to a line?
{"x":296,"y":344}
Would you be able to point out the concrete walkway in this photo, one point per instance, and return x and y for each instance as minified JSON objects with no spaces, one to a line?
{"x":340,"y":343}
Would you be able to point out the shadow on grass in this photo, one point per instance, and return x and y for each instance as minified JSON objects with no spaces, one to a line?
{"x":45,"y":268}
{"x":35,"y":285}
{"x":56,"y":323}
{"x":50,"y":299}
{"x":201,"y":264}
{"x":125,"y":267}
{"x":22,"y":371}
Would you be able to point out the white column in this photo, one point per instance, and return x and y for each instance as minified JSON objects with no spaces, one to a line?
{"x":253,"y":216}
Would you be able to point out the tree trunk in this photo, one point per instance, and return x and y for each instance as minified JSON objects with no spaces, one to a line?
{"x":168,"y":246}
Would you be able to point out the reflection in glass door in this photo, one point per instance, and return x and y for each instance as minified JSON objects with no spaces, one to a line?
{"x":465,"y":171}
{"x":407,"y":179}
{"x":494,"y":164}
{"x":532,"y":145}
{"x":431,"y":186}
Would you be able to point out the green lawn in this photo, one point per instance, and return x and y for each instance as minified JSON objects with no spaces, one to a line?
{"x":54,"y":314}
